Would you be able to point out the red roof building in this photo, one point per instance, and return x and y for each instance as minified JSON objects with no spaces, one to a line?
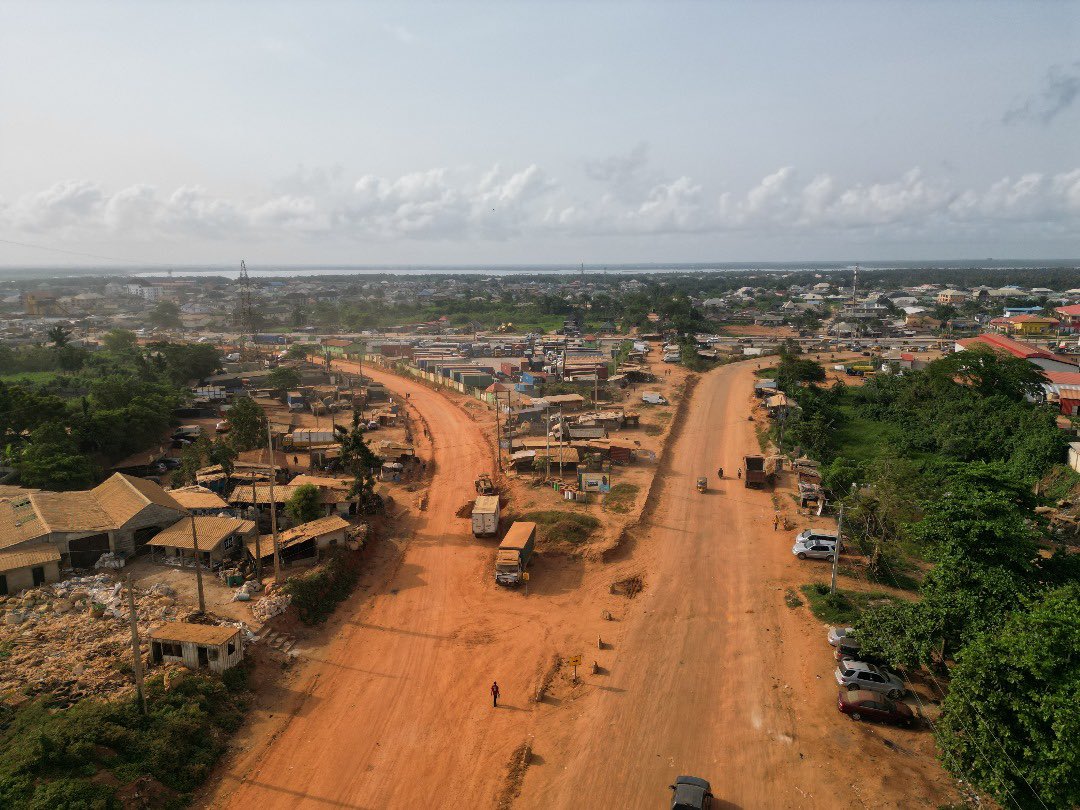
{"x":1046,"y":360}
{"x":1070,"y":317}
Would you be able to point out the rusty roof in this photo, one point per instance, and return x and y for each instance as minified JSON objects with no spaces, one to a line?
{"x":124,"y":496}
{"x":242,"y":493}
{"x":195,"y":633}
{"x":26,"y":556}
{"x":19,"y":522}
{"x":72,"y":512}
{"x":196,"y":497}
{"x":211,"y":531}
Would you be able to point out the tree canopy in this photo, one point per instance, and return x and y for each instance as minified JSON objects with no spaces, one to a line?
{"x":303,"y":505}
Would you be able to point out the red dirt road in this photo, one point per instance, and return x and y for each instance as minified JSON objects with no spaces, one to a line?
{"x":706,"y":672}
{"x":711,"y":673}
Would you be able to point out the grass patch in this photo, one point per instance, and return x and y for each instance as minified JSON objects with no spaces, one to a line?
{"x":621,"y":498}
{"x":842,"y":607}
{"x":32,"y":377}
{"x":652,"y":430}
{"x":762,"y":437}
{"x":563,"y":527}
{"x":767,"y":373}
{"x":49,"y":758}
{"x":1058,"y":484}
{"x":791,"y":599}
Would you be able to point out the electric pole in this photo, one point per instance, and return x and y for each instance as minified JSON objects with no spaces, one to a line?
{"x":273,"y":508}
{"x":198,"y":563}
{"x":136,"y":652}
{"x":836,"y":551}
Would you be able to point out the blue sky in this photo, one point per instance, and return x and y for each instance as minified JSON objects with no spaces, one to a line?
{"x":312,"y":132}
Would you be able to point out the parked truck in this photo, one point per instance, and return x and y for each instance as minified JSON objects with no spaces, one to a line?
{"x":755,"y":473}
{"x":294,"y":400}
{"x":514,"y":553}
{"x":485,"y":516}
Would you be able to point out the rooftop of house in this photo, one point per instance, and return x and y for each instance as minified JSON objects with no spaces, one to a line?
{"x":195,"y":633}
{"x":211,"y":531}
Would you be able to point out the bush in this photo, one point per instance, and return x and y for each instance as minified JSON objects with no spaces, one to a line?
{"x":316,"y":593}
{"x":563,"y":527}
{"x":621,"y":498}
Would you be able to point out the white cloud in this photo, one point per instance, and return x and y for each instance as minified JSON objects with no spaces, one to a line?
{"x":461,"y":205}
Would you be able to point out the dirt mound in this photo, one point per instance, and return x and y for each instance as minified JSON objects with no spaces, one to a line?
{"x":515,"y":773}
{"x":465,"y":510}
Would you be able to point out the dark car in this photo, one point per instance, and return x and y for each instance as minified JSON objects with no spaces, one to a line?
{"x":859,"y":704}
{"x":690,"y":793}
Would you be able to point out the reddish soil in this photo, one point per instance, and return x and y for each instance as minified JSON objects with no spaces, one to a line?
{"x":706,"y":671}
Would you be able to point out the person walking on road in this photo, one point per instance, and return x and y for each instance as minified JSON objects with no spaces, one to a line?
{"x":775,"y":522}
{"x":495,"y":694}
{"x":720,"y":473}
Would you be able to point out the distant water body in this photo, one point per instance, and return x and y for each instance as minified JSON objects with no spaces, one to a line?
{"x":297,"y":271}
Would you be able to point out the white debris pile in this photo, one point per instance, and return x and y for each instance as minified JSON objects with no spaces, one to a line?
{"x":110,"y":560}
{"x":273,"y":604}
{"x":246,"y":591}
{"x":72,"y":639}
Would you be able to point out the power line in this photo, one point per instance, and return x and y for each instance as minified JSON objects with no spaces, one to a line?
{"x":70,"y":252}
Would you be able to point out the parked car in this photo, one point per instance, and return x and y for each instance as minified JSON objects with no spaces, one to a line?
{"x":690,"y":793}
{"x":171,"y":463}
{"x":223,"y":426}
{"x":838,"y":634}
{"x":861,"y":675}
{"x":820,"y":550}
{"x":861,"y":704}
{"x":815,"y":535}
{"x":849,"y":650}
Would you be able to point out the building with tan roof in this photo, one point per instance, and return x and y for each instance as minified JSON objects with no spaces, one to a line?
{"x":220,"y":539}
{"x":28,"y":567}
{"x":199,"y":500}
{"x":119,"y":515}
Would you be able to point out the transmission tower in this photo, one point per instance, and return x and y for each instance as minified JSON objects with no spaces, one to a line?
{"x":245,"y":314}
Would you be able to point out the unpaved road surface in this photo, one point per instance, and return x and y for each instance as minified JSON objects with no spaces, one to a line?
{"x":706,"y":672}
{"x":711,"y":674}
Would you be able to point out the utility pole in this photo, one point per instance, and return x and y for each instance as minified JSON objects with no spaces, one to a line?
{"x":836,"y":551}
{"x":198,"y":563}
{"x":258,"y":534}
{"x":498,"y":431}
{"x":273,"y":508}
{"x":136,"y":652}
{"x":547,"y":440}
{"x":562,"y":437}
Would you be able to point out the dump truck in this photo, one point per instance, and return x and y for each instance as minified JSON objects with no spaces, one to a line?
{"x":514,"y":553}
{"x":755,"y":473}
{"x":485,"y":516}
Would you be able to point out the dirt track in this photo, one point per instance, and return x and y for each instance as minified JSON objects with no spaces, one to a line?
{"x":707,"y":672}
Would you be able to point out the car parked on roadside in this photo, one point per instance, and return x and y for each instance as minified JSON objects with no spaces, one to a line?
{"x":815,"y":535}
{"x":838,"y":634}
{"x":849,"y":650}
{"x":860,"y":704}
{"x":690,"y":793}
{"x":861,"y":675}
{"x":817,"y":550}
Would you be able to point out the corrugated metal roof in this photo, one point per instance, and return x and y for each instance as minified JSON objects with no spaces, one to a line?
{"x":195,"y":633}
{"x":196,"y":497}
{"x":27,"y":556}
{"x":211,"y":530}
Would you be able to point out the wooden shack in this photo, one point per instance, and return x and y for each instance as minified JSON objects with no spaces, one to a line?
{"x":216,"y":647}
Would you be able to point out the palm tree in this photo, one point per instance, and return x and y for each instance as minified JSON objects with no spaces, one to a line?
{"x":59,"y":336}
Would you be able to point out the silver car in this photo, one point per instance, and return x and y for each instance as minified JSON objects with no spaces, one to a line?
{"x":815,"y":549}
{"x":860,"y":675}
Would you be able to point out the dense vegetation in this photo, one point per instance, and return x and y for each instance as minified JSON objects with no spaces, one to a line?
{"x":941,"y":464}
{"x":317,"y":592}
{"x":56,"y":759}
{"x":95,"y":409}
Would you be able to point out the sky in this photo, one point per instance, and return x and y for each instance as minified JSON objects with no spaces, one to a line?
{"x":175,"y":133}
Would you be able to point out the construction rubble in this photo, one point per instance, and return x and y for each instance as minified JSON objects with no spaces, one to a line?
{"x":274,"y":603}
{"x":72,"y":639}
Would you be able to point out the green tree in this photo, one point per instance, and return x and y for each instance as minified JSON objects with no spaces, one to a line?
{"x":1011,"y":719}
{"x":58,"y":336}
{"x":165,"y":315}
{"x":297,"y":351}
{"x":120,"y":340}
{"x":989,"y":372}
{"x":52,"y":460}
{"x":283,"y":378}
{"x":247,"y":425}
{"x":361,"y":462}
{"x":303,"y":505}
{"x":192,"y":459}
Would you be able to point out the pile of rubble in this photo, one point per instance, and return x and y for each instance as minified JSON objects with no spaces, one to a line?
{"x":274,"y":603}
{"x":72,"y":639}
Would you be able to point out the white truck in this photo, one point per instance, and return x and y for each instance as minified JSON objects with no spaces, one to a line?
{"x":485,"y":516}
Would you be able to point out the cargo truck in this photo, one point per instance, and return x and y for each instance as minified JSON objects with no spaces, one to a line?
{"x":754,"y":471}
{"x":485,"y":516}
{"x":514,"y":553}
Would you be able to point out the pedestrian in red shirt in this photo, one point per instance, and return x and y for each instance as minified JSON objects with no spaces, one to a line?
{"x":495,"y":694}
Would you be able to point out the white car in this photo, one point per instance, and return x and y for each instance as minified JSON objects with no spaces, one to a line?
{"x":815,"y":549}
{"x":860,"y":675}
{"x":840,"y":634}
